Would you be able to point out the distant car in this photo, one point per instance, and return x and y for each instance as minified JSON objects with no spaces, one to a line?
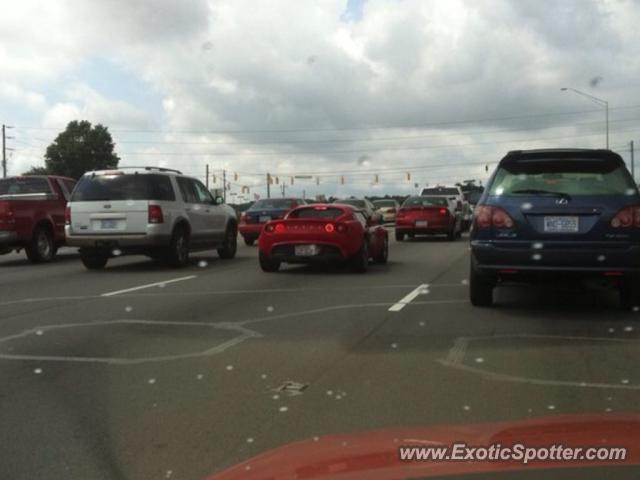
{"x":388,"y":208}
{"x":456,"y":198}
{"x":551,"y":213}
{"x":32,"y":215}
{"x":147,"y":211}
{"x":263,"y":211}
{"x":428,"y":216}
{"x":364,"y":205}
{"x":323,"y":233}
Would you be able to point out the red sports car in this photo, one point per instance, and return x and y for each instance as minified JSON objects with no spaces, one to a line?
{"x":323,"y":233}
{"x":428,"y":216}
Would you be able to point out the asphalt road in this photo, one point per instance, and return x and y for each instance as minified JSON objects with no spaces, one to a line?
{"x":180,"y":379}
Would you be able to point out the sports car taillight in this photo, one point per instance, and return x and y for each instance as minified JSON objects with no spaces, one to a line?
{"x":486,"y":217}
{"x":329,"y":228}
{"x":280,"y":228}
{"x":627,"y":217}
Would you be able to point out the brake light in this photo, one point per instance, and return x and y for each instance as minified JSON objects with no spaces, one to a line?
{"x":155,"y":214}
{"x":280,"y":228}
{"x":329,"y":228}
{"x":6,"y":213}
{"x":67,"y":215}
{"x":443,"y":211}
{"x":486,"y":217}
{"x":627,"y":217}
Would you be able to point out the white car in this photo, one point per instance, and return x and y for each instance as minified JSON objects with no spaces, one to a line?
{"x":150,"y":211}
{"x":456,"y":199}
{"x":388,"y":208}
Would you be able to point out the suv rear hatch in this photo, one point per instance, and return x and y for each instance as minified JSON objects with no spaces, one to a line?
{"x":564,"y":199}
{"x":115,"y":203}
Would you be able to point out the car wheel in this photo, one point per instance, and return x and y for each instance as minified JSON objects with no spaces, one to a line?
{"x":383,"y":257}
{"x":249,"y":241}
{"x":399,"y":237}
{"x":93,"y":260}
{"x":41,"y":249}
{"x":360,"y":261}
{"x":178,"y":252}
{"x":630,"y":293}
{"x":267,"y":264}
{"x":230,"y":246}
{"x":480,"y":288}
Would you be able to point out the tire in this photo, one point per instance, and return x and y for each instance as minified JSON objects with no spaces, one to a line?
{"x":267,"y":264}
{"x":630,"y":293}
{"x":41,"y":249}
{"x":480,"y":288}
{"x":399,"y":236}
{"x":249,"y":241}
{"x":360,"y":261}
{"x":384,"y":255}
{"x":230,"y":245}
{"x":177,"y":255}
{"x":93,"y":260}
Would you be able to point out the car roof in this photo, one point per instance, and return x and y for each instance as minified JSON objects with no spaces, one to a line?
{"x":550,"y":153}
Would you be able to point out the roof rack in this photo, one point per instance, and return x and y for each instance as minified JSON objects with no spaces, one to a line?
{"x":160,"y":169}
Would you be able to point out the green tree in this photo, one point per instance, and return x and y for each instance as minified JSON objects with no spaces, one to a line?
{"x":37,"y":171}
{"x":80,"y":148}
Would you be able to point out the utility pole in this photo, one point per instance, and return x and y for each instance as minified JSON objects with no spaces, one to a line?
{"x":633,"y":167}
{"x":268,"y":185}
{"x":224,"y":185}
{"x":207,"y":177}
{"x":4,"y":151}
{"x":284,"y":186}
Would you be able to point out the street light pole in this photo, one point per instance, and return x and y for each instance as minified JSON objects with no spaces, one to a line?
{"x":599,"y":101}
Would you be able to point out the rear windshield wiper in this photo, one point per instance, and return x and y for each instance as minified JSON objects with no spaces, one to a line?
{"x":535,"y":191}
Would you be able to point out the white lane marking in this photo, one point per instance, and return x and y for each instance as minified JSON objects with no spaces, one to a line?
{"x":149,"y":285}
{"x":456,"y":359}
{"x":396,"y":307}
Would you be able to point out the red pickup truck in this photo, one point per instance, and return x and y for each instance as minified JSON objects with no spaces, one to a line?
{"x":32,"y":210}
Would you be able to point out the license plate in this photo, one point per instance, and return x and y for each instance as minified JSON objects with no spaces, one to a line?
{"x":306,"y":250}
{"x":562,"y":224}
{"x":264,"y":219}
{"x":421,"y":223}
{"x":108,"y":224}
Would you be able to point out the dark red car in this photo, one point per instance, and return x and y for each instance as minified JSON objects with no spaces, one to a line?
{"x":323,"y":233}
{"x":32,"y":215}
{"x":428,"y":216}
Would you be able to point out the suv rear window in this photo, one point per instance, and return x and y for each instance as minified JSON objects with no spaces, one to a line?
{"x":272,"y":204}
{"x":440,"y":191}
{"x":24,"y":186}
{"x":587,"y":176}
{"x":425,"y":202}
{"x":317,"y":212}
{"x":123,"y":187}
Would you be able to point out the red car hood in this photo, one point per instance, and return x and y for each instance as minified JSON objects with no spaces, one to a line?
{"x":374,"y":455}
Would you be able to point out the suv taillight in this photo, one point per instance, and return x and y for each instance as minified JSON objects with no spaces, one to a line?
{"x":67,"y":215}
{"x":155,"y":214}
{"x":627,"y":217}
{"x":486,"y":217}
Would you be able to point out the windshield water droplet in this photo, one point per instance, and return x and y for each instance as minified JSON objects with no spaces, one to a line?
{"x":329,"y":392}
{"x":200,"y":376}
{"x":624,"y":381}
{"x":39,"y":332}
{"x":526,"y":206}
{"x":611,"y":330}
{"x":422,"y":324}
{"x":538,"y":246}
{"x":151,"y":381}
{"x":466,"y":408}
{"x":536,"y":256}
{"x":608,"y":409}
{"x":229,"y":368}
{"x":465,"y":281}
{"x":37,"y":371}
{"x":128,"y":309}
{"x":628,"y":328}
{"x":263,"y":376}
{"x":283,"y":409}
{"x":270,"y":309}
{"x":116,"y":252}
{"x":551,"y":407}
{"x":601,"y":258}
{"x":394,"y":345}
{"x":203,"y":264}
{"x":479,"y":360}
{"x":250,"y":440}
{"x":276,"y":397}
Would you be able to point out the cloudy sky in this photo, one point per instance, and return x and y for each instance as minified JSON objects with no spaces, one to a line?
{"x":415,"y":91}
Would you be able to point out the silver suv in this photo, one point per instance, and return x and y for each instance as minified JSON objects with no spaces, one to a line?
{"x":150,"y":211}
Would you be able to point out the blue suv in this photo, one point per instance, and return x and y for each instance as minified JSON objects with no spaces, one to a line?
{"x":551,"y":213}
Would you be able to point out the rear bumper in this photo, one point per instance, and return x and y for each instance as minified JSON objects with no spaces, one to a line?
{"x":430,"y":230}
{"x":491,"y":256}
{"x":120,"y":241}
{"x":250,"y":230}
{"x":8,"y":238}
{"x":329,"y":253}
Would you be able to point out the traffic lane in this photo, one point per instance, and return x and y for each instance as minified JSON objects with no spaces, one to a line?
{"x":103,"y":394}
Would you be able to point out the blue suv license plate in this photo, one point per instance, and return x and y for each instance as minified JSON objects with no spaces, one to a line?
{"x":563,"y":224}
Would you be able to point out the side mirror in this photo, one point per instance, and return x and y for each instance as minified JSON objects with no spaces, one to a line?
{"x":218,"y":201}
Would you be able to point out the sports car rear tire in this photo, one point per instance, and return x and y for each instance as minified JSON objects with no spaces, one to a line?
{"x":383,"y":257}
{"x":267,"y":264}
{"x":360,"y":261}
